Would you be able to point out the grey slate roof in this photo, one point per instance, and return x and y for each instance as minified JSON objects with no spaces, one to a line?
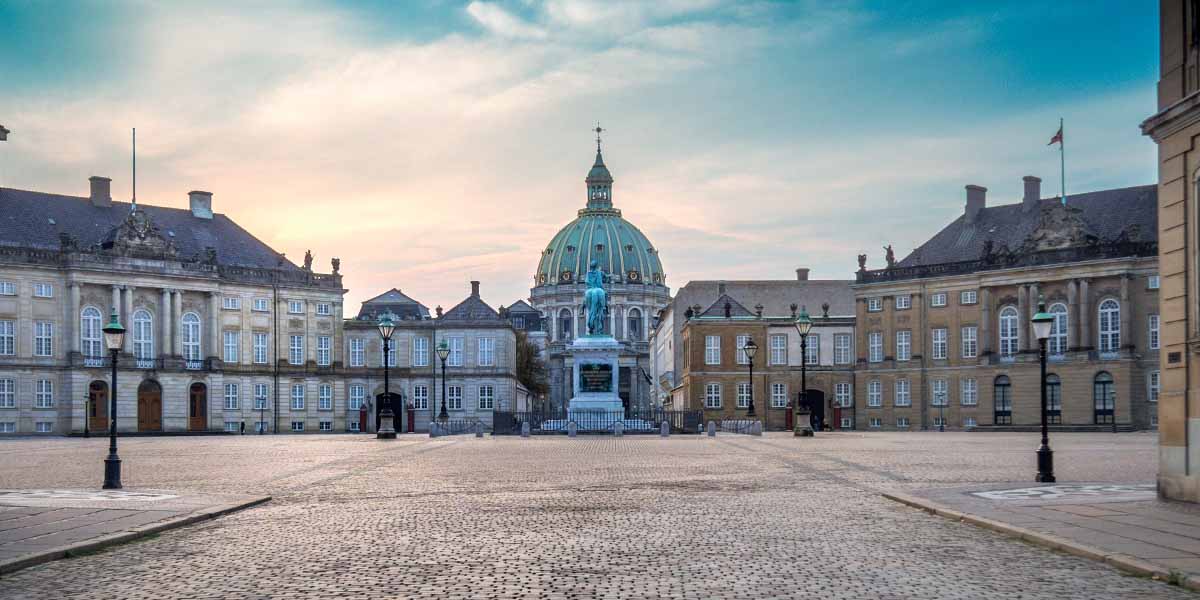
{"x":36,"y":220}
{"x":1106,"y":214}
{"x":521,"y":306}
{"x":776,"y":296}
{"x":396,"y":302}
{"x":472,"y":309}
{"x":718,"y":308}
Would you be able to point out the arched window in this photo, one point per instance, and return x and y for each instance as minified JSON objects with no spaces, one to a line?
{"x":1053,"y":399}
{"x":1002,"y":395}
{"x":1057,"y":344}
{"x":89,"y":333}
{"x":1104,"y":398}
{"x":143,"y":335}
{"x":634,"y":331}
{"x":564,"y":324}
{"x":191,"y":336}
{"x":1110,"y":326}
{"x":1009,"y":332}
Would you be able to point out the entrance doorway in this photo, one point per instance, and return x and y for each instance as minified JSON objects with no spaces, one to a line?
{"x":98,"y":405}
{"x":816,"y":407}
{"x":198,"y":407}
{"x":149,"y":406}
{"x":397,"y":406}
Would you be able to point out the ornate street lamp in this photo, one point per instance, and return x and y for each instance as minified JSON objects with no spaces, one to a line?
{"x":1042,"y":322}
{"x":750,"y":349}
{"x":443,"y":351}
{"x":386,"y":431}
{"x":114,"y":338}
{"x":803,"y":326}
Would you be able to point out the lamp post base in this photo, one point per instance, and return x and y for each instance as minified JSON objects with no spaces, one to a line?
{"x":112,"y":472}
{"x":1045,"y":458}
{"x":386,"y":431}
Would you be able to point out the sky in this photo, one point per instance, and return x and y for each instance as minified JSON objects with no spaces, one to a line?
{"x":428,"y":143}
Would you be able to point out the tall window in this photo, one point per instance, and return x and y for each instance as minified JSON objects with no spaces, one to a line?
{"x":420,"y":351}
{"x":778,"y":349}
{"x":874,"y":393}
{"x":1110,"y":326}
{"x":938,"y":299}
{"x":231,"y":303}
{"x":231,"y":396}
{"x":969,"y":392}
{"x":296,"y":350}
{"x":740,"y":349}
{"x":191,"y":336}
{"x":454,"y":397}
{"x":421,"y":397}
{"x":743,"y":395}
{"x":44,"y":394}
{"x":712,"y":395}
{"x":232,"y":342}
{"x":875,"y":346}
{"x":1153,"y":332}
{"x":903,"y":302}
{"x":357,"y":395}
{"x":967,"y":297}
{"x":260,"y":396}
{"x":1053,"y":399}
{"x":487,"y":352}
{"x":324,"y":309}
{"x":842,"y":352}
{"x":564,"y":324}
{"x":1057,"y":344}
{"x":325,"y":397}
{"x":940,"y":344}
{"x":8,"y":338}
{"x":8,"y":395}
{"x":635,"y":325}
{"x":903,"y":345}
{"x":1002,"y":393}
{"x":143,"y":335}
{"x":391,"y":354}
{"x":1152,"y":386}
{"x":89,"y":333}
{"x":1104,"y":397}
{"x":296,"y":307}
{"x":779,"y":395}
{"x":487,"y":397}
{"x":297,"y":396}
{"x":43,"y":290}
{"x":357,"y":352}
{"x":43,"y":338}
{"x":812,"y":350}
{"x":903,"y":393}
{"x":874,"y":304}
{"x":712,"y":350}
{"x":324,"y":350}
{"x":260,"y":347}
{"x":842,"y":395}
{"x":970,"y":341}
{"x":261,"y":305}
{"x":456,"y":352}
{"x":941,"y":393}
{"x":1009,"y":337}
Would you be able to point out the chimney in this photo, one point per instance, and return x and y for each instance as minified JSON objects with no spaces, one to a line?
{"x":201,"y":203}
{"x":976,"y":199}
{"x":802,"y":274}
{"x":475,"y":289}
{"x":720,"y":288}
{"x":1033,"y":192}
{"x":100,"y":191}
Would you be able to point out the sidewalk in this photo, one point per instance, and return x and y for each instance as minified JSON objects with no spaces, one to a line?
{"x":37,"y":526}
{"x":1123,"y":525}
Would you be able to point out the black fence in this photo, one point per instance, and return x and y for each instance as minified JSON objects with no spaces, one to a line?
{"x":632,"y":421}
{"x":743,"y":426}
{"x":454,"y":427}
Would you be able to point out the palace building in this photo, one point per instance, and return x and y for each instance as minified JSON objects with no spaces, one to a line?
{"x":637,"y":290}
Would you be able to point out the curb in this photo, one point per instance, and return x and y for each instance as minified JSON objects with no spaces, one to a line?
{"x":11,"y":566}
{"x":1124,"y":562}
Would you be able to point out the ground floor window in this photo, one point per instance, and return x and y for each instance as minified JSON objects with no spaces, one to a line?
{"x":778,"y":395}
{"x":353,"y":427}
{"x":847,"y":423}
{"x":968,"y":421}
{"x":45,"y":426}
{"x":421,"y":397}
{"x":902,"y":422}
{"x":743,"y":395}
{"x":1104,"y":395}
{"x":454,"y":397}
{"x":326,"y":425}
{"x":487,"y":397}
{"x":8,"y":427}
{"x":260,"y":427}
{"x":876,"y":423}
{"x":297,"y":425}
{"x":233,"y":426}
{"x":712,"y":395}
{"x":939,"y":422}
{"x":1053,"y":399}
{"x":1002,"y":393}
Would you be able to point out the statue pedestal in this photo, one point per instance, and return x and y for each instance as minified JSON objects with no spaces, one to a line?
{"x":595,"y":376}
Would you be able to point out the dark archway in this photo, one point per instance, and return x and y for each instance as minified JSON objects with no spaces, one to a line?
{"x":97,"y":413}
{"x":149,"y":406}
{"x":197,"y":407}
{"x":816,"y":407}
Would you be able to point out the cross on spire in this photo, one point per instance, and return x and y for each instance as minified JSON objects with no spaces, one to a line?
{"x":598,"y":131}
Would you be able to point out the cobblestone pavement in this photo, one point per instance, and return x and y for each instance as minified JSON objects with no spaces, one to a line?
{"x":590,"y":517}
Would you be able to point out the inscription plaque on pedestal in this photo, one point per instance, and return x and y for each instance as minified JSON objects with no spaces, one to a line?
{"x":595,"y":378}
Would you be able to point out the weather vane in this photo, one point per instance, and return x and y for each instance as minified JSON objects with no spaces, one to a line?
{"x":598,"y":131}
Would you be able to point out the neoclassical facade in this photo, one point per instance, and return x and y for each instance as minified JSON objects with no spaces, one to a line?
{"x":637,"y":290}
{"x":222,"y":331}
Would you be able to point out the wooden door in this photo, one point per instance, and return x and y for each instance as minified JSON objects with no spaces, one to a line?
{"x":198,"y":407}
{"x":98,"y":406}
{"x":149,"y":406}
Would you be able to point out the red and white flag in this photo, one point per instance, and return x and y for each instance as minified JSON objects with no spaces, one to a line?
{"x":1057,"y":139}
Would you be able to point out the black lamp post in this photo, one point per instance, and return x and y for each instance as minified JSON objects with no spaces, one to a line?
{"x":386,"y":431}
{"x":750,"y":349}
{"x":803,"y":326}
{"x":87,"y":414}
{"x":1042,"y":323}
{"x":114,"y":337}
{"x":443,"y":351}
{"x":262,"y":417}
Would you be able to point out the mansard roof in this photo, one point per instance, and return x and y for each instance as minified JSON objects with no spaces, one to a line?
{"x":41,"y":220}
{"x":717,"y":309}
{"x":472,"y":309}
{"x":776,"y":295}
{"x":521,"y":306}
{"x":398,"y":303}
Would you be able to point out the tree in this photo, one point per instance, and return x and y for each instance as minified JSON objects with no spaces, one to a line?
{"x":531,"y":369}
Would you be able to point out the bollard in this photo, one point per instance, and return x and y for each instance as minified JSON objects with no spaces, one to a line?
{"x":479,"y":430}
{"x":712,"y":429}
{"x":665,"y":429}
{"x":433,"y":430}
{"x":571,"y":429}
{"x":525,"y":429}
{"x":619,"y":428}
{"x":756,"y":428}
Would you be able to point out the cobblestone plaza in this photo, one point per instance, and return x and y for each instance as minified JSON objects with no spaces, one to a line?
{"x":589,"y":517}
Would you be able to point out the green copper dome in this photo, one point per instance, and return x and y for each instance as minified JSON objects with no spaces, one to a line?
{"x":599,"y":233}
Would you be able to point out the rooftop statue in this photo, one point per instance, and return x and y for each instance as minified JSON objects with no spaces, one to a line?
{"x":595,"y":300}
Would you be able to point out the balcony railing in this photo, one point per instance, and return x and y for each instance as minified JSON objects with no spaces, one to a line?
{"x":94,"y":361}
{"x":147,"y":363}
{"x":194,"y":365}
{"x":1005,"y":259}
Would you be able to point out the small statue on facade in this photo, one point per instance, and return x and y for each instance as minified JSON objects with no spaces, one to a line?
{"x":337,"y":264}
{"x":890,"y":255}
{"x":308,"y":258}
{"x":862,"y":262}
{"x":210,"y":255}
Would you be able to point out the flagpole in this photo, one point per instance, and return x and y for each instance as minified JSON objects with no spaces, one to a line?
{"x":133,"y":205}
{"x":1062,"y":156}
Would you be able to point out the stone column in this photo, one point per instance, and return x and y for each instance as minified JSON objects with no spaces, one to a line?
{"x":1072,"y":314}
{"x":164,"y":317}
{"x":1033,"y":308}
{"x":129,"y":318}
{"x":177,"y":322}
{"x":1084,"y":315}
{"x":1023,"y":315}
{"x":985,"y":321}
{"x":116,"y":303}
{"x":214,"y":324}
{"x":1126,"y":312}
{"x":74,"y":320}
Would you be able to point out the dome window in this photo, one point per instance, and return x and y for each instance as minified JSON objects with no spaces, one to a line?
{"x":570,"y":248}
{"x":599,"y":247}
{"x":565,"y":276}
{"x":629,"y":247}
{"x":634,"y":276}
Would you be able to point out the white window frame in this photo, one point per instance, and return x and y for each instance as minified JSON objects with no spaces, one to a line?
{"x":739,"y":349}
{"x":875,"y":423}
{"x":261,"y":305}
{"x":324,"y":350}
{"x":143,"y":334}
{"x":1010,"y":331}
{"x":420,"y":351}
{"x":297,"y":426}
{"x":232,"y":342}
{"x":842,"y":393}
{"x":812,"y":350}
{"x":231,"y":396}
{"x":903,"y":393}
{"x":969,"y":336}
{"x":456,"y":358}
{"x":712,"y":349}
{"x":968,"y":297}
{"x":260,"y":339}
{"x":1109,"y":326}
{"x":968,"y":392}
{"x":358,"y":352}
{"x":420,"y":397}
{"x":487,"y":351}
{"x":902,"y":423}
{"x":941,"y":343}
{"x":487,"y":397}
{"x":391,"y":357}
{"x":296,"y":349}
{"x":875,"y":346}
{"x":903,"y":301}
{"x":91,"y":342}
{"x":295,"y":307}
{"x":8,"y":288}
{"x":231,"y":303}
{"x":969,"y":422}
{"x":778,"y":342}
{"x":190,"y":333}
{"x":43,"y":396}
{"x":454,"y":397}
{"x":1153,"y":333}
{"x":357,"y":397}
{"x":1056,"y":345}
{"x":1153,"y":282}
{"x":297,"y":396}
{"x":712,"y":395}
{"x":940,"y":395}
{"x":325,"y":397}
{"x":874,"y":393}
{"x":325,"y":426}
{"x":324,"y":309}
{"x":903,"y":345}
{"x":44,"y":427}
{"x":743,"y":394}
{"x":261,"y":393}
{"x":8,"y":393}
{"x":779,"y":396}
{"x":43,"y":338}
{"x":8,"y":338}
{"x":1153,"y":386}
{"x":42,"y":289}
{"x":874,"y":304}
{"x":8,"y":427}
{"x":937,"y":299}
{"x":843,"y":349}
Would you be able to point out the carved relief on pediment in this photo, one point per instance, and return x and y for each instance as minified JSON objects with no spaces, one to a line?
{"x":139,"y":237}
{"x":1059,"y":227}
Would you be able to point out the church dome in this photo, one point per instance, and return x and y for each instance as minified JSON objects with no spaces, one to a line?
{"x":599,"y":233}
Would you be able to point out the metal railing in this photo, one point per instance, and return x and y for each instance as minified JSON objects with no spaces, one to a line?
{"x":632,"y":421}
{"x":454,"y":426}
{"x":744,"y":426}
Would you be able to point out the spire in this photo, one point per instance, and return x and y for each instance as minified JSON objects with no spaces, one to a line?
{"x":599,"y":180}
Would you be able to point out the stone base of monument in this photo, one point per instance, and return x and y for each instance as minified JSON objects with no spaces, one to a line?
{"x":595,"y":406}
